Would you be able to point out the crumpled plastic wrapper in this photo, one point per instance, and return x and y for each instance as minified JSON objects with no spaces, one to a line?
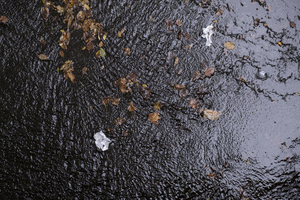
{"x":207,"y":33}
{"x":102,"y":142}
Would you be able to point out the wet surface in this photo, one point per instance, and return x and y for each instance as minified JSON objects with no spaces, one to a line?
{"x":48,"y":123}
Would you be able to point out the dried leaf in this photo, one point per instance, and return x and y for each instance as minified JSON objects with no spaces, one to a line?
{"x":188,"y":47}
{"x":209,"y":71}
{"x":131,"y":107}
{"x":292,"y":24}
{"x":188,"y":36}
{"x":4,"y":19}
{"x":211,"y":114}
{"x":219,"y":12}
{"x":119,"y":121}
{"x":193,"y":103}
{"x":100,"y":44}
{"x":106,"y":100}
{"x":132,"y":78}
{"x":80,"y":16}
{"x":183,"y":92}
{"x":145,"y":92}
{"x":154,"y":117}
{"x":176,"y":61}
{"x":121,"y":33}
{"x":61,"y":53}
{"x":229,"y":45}
{"x":212,"y":175}
{"x":101,"y":53}
{"x":157,"y":106}
{"x":126,"y":132}
{"x":122,"y":85}
{"x":43,"y":57}
{"x":116,"y":101}
{"x":178,"y":87}
{"x":68,"y":68}
{"x":279,"y":43}
{"x":42,"y":41}
{"x":127,"y":51}
{"x":89,"y":46}
{"x":242,"y":79}
{"x":196,"y":75}
{"x":44,"y":11}
{"x":179,"y":35}
{"x":84,"y":70}
{"x":169,"y":24}
{"x":178,"y":22}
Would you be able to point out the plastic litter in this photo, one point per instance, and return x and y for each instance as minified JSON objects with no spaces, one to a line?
{"x":102,"y":142}
{"x":207,"y":33}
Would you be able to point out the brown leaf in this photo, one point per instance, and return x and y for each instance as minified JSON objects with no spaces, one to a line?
{"x":106,"y":100}
{"x":188,"y":36}
{"x":127,"y":51}
{"x":132,"y":78}
{"x":131,"y":107}
{"x":84,"y":70}
{"x":145,"y":92}
{"x":157,"y":106}
{"x":100,"y":44}
{"x":43,"y":57}
{"x":89,"y":46}
{"x":67,"y":68}
{"x":229,"y":45}
{"x":183,"y":92}
{"x":70,"y":76}
{"x":178,"y":22}
{"x":179,"y":35}
{"x":42,"y":41}
{"x":176,"y":61}
{"x":45,"y":13}
{"x":193,"y":103}
{"x":122,"y":85}
{"x":242,"y":79}
{"x":121,"y":33}
{"x":126,"y":132}
{"x":119,"y":121}
{"x":212,"y":175}
{"x":219,"y":12}
{"x":292,"y":24}
{"x":4,"y":19}
{"x":154,"y":117}
{"x":211,"y":114}
{"x":188,"y":47}
{"x":61,"y":53}
{"x":209,"y":71}
{"x":196,"y":75}
{"x":116,"y":101}
{"x":169,"y":24}
{"x":178,"y":87}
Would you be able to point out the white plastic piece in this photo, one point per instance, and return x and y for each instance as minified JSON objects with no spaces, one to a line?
{"x":102,"y":142}
{"x":207,"y":33}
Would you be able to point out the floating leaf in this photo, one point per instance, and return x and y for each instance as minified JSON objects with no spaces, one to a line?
{"x":126,"y":132}
{"x":42,"y":41}
{"x":122,"y":85}
{"x":104,"y":36}
{"x":183,"y":92}
{"x":44,"y":11}
{"x":43,"y":57}
{"x":121,"y":33}
{"x":61,"y":53}
{"x":209,"y":71}
{"x":178,"y":86}
{"x":3,"y":19}
{"x":119,"y":121}
{"x":211,"y":114}
{"x":84,"y":70}
{"x":131,"y":107}
{"x":127,"y":51}
{"x":219,"y":12}
{"x":106,"y":100}
{"x":193,"y":103}
{"x":188,"y":36}
{"x":196,"y":75}
{"x":178,"y":22}
{"x":157,"y":105}
{"x":169,"y":24}
{"x":132,"y":78}
{"x":154,"y":117}
{"x":176,"y":61}
{"x":145,"y":92}
{"x":229,"y":45}
{"x":242,"y":79}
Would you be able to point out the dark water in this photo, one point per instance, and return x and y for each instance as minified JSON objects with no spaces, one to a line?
{"x":48,"y":123}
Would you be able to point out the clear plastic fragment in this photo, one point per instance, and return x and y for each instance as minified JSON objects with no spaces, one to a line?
{"x":207,"y":33}
{"x":102,"y":142}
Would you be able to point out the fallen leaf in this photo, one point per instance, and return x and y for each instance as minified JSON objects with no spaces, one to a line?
{"x":193,"y":103}
{"x":42,"y":41}
{"x":151,"y":19}
{"x":100,"y":44}
{"x":145,"y":92}
{"x":179,"y":71}
{"x":212,"y":175}
{"x":127,"y":51}
{"x":104,"y":36}
{"x":169,"y":24}
{"x":256,"y":22}
{"x":121,"y":33}
{"x":67,"y":69}
{"x":84,"y":70}
{"x":280,"y":44}
{"x":242,"y":79}
{"x":157,"y":106}
{"x":211,"y":114}
{"x":188,"y":36}
{"x":119,"y":121}
{"x":200,"y":110}
{"x":61,"y":53}
{"x":126,"y":133}
{"x":4,"y":19}
{"x":89,"y":46}
{"x":116,"y":101}
{"x":178,"y":22}
{"x":101,"y":53}
{"x":229,"y":45}
{"x":154,"y":117}
{"x":196,"y":75}
{"x":219,"y":12}
{"x":176,"y":61}
{"x":188,"y":47}
{"x":43,"y":57}
{"x":44,"y":11}
{"x":106,"y":100}
{"x":122,"y":85}
{"x":132,"y":78}
{"x":131,"y":107}
{"x":178,"y":86}
{"x":183,"y":92}
{"x":179,"y":35}
{"x":292,"y":24}
{"x":209,"y":71}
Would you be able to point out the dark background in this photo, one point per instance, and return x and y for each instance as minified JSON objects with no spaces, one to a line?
{"x":47,"y":123}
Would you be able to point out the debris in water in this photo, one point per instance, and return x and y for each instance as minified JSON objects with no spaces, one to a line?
{"x":102,"y":142}
{"x":207,"y":33}
{"x":262,"y":75}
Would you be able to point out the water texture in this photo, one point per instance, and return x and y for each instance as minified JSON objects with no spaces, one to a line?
{"x":47,"y":123}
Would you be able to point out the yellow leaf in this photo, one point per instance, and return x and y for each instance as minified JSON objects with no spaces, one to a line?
{"x":280,"y":44}
{"x":43,"y":57}
{"x":154,"y":117}
{"x":157,"y":105}
{"x":211,"y":114}
{"x":131,"y":107}
{"x":104,"y":36}
{"x":229,"y":45}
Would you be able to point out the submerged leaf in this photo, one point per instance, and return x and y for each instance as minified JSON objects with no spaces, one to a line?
{"x":154,"y":117}
{"x":157,"y":105}
{"x":193,"y":103}
{"x":211,"y":114}
{"x":178,"y":22}
{"x":229,"y":45}
{"x":122,"y":85}
{"x":145,"y":92}
{"x":131,"y":107}
{"x":188,"y":47}
{"x":121,"y":33}
{"x":119,"y":121}
{"x":209,"y":71}
{"x":196,"y":75}
{"x":127,"y":51}
{"x":43,"y":57}
{"x":84,"y":70}
{"x":183,"y":92}
{"x":116,"y":101}
{"x":3,"y":19}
